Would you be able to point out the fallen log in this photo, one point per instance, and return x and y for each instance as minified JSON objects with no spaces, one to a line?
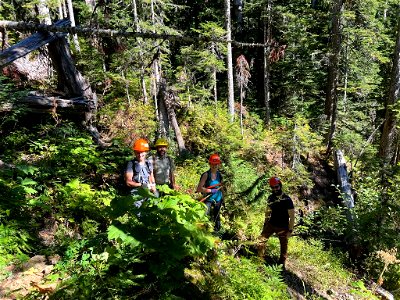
{"x":34,"y":42}
{"x":40,"y":103}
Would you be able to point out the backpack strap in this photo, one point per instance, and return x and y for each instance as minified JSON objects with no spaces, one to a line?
{"x":147,"y":164}
{"x":208,"y":180}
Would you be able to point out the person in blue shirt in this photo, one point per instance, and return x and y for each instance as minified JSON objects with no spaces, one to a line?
{"x":210,"y":184}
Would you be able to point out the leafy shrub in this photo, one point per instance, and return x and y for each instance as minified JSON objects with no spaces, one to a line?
{"x":323,"y":267}
{"x":208,"y":130}
{"x":128,"y":123}
{"x":242,"y":278}
{"x":14,"y":244}
{"x":147,"y":252}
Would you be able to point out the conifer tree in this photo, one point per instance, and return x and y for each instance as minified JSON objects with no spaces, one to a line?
{"x":389,"y":147}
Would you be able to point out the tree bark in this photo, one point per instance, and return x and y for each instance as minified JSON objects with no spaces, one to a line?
{"x":70,"y":80}
{"x":142,"y":67}
{"x":333,"y":74}
{"x":167,"y":99}
{"x":267,"y":42}
{"x":60,"y":10}
{"x":44,"y":13}
{"x":72,"y":19}
{"x":231,"y":96}
{"x":37,"y":102}
{"x":388,"y":142}
{"x":214,"y":75}
{"x":163,"y":119}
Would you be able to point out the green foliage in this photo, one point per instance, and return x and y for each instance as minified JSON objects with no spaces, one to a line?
{"x":80,"y":199}
{"x":151,"y":245}
{"x":324,"y":267}
{"x":55,"y":173}
{"x":328,"y":221}
{"x":126,"y":123}
{"x":199,"y":63}
{"x":360,"y":291}
{"x":243,"y":278}
{"x":211,"y":130}
{"x":14,"y":244}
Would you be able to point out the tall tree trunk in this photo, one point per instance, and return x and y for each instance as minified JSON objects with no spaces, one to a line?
{"x":73,"y":83}
{"x":163,"y":120}
{"x":60,"y":10}
{"x":238,"y":5}
{"x":167,"y":100}
{"x":267,"y":49}
{"x":141,"y":62}
{"x":72,"y":19}
{"x":91,"y":4}
{"x":389,"y":136}
{"x":64,"y":8}
{"x":231,"y":96}
{"x":241,"y":110}
{"x":333,"y":74}
{"x":44,"y":13}
{"x":346,"y":77}
{"x":242,"y":79}
{"x":70,"y":80}
{"x":214,"y":75}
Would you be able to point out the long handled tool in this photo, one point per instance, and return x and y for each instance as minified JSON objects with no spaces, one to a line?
{"x":210,"y":187}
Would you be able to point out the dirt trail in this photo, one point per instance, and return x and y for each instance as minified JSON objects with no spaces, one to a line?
{"x":28,"y":277}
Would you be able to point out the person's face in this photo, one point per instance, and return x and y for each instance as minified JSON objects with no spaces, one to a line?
{"x":214,"y":166}
{"x":140,"y":156}
{"x":161,"y":150}
{"x":276,"y":189}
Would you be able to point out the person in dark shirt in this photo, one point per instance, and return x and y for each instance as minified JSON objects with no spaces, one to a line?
{"x":279,"y":219}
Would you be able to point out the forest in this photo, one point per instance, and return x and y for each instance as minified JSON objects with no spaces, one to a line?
{"x":306,"y":91}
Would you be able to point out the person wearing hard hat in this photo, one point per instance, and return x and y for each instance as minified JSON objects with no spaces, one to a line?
{"x":139,"y":171}
{"x":210,"y":184}
{"x":163,"y":164}
{"x":279,"y":219}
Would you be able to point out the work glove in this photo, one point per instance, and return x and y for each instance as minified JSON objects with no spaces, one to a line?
{"x":145,"y":185}
{"x":213,"y":191}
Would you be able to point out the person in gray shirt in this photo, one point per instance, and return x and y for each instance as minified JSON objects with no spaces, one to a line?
{"x":163,"y":164}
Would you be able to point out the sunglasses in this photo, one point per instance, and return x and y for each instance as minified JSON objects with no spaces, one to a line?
{"x":275,"y":187}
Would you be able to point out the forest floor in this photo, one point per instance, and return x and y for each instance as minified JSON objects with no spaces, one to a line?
{"x":27,"y":277}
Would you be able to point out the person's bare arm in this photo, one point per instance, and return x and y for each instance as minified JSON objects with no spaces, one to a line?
{"x":152,"y":182}
{"x":267,"y":213}
{"x":291,"y":218}
{"x":128,"y":180}
{"x":200,"y":187}
{"x":172,"y":179}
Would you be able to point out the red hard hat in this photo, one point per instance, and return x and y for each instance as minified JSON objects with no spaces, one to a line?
{"x":274,"y":181}
{"x":214,"y":159}
{"x":141,"y":145}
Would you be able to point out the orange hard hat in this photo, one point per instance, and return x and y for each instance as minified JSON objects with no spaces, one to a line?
{"x":214,"y":159}
{"x":141,"y":145}
{"x":273,"y":181}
